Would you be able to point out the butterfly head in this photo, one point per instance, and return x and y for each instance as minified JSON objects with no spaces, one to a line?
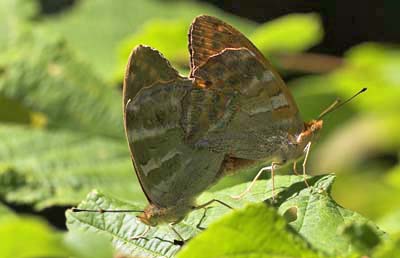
{"x":154,"y":215}
{"x":311,"y":130}
{"x":149,"y":216}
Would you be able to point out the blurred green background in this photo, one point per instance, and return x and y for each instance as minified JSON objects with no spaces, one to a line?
{"x":61,"y":69}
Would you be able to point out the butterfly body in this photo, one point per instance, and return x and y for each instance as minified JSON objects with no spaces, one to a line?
{"x":185,"y":133}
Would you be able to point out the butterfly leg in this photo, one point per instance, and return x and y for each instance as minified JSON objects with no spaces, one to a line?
{"x":141,"y":235}
{"x":306,"y":150}
{"x":171,"y":226}
{"x":205,"y":207}
{"x":211,"y":201}
{"x":271,"y":168}
{"x":295,"y":168}
{"x":198,"y":226}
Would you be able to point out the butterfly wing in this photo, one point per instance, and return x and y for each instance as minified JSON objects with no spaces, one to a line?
{"x":209,"y":36}
{"x":145,"y":67}
{"x":255,"y":115}
{"x":169,"y":170}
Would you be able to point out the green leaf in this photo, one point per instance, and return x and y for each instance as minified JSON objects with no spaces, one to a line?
{"x":88,"y":245}
{"x":97,"y":27}
{"x":12,"y":14}
{"x":393,"y":176}
{"x":60,"y":167}
{"x":390,"y":248}
{"x":167,"y":36}
{"x":45,"y":76}
{"x":376,"y":67}
{"x":257,"y":231}
{"x":11,"y":111}
{"x":5,"y":211}
{"x":367,"y":126}
{"x":319,"y":218}
{"x":30,"y":237}
{"x":391,"y":222}
{"x":291,"y":33}
{"x":314,"y":215}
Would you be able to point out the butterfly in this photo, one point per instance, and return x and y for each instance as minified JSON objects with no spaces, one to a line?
{"x":185,"y":133}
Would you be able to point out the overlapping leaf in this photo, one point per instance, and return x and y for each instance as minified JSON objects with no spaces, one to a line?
{"x":317,"y":218}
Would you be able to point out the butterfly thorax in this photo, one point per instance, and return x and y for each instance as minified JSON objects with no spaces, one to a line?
{"x":154,"y":215}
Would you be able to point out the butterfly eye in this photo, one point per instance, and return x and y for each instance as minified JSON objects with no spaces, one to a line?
{"x":313,"y":128}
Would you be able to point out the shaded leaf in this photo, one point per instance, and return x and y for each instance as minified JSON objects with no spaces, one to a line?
{"x":59,"y":168}
{"x":44,"y":75}
{"x":11,"y":111}
{"x":363,"y":236}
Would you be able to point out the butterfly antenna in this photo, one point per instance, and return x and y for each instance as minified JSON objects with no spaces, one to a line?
{"x":337,"y":104}
{"x":102,"y":210}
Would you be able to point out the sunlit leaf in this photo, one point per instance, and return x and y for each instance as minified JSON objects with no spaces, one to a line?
{"x":257,"y":231}
{"x":291,"y":33}
{"x":376,"y":67}
{"x":391,"y":222}
{"x":316,"y":217}
{"x":390,"y":248}
{"x":30,"y":237}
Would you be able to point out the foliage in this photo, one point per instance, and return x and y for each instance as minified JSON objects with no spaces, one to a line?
{"x":245,"y":239}
{"x":317,"y":223}
{"x":95,"y":28}
{"x":32,"y":237}
{"x":61,"y":136}
{"x":288,"y":34}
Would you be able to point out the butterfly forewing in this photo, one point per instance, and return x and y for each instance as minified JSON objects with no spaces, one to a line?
{"x":209,"y":36}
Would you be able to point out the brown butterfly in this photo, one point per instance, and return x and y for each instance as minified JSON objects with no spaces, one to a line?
{"x":186,"y":133}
